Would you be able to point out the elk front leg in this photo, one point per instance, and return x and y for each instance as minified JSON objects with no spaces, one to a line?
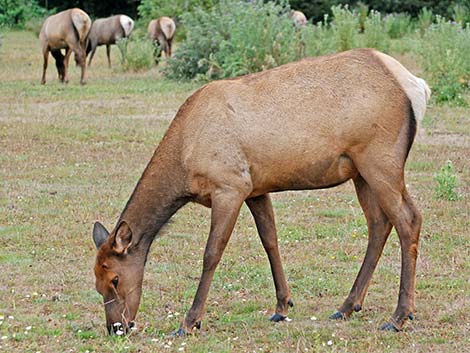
{"x":45,"y":53}
{"x":379,"y":229}
{"x":225,"y":209}
{"x":262,"y":211}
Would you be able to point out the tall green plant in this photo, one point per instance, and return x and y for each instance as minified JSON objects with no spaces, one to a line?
{"x":424,"y":20}
{"x":398,"y":25}
{"x":345,"y":27}
{"x":375,"y":33}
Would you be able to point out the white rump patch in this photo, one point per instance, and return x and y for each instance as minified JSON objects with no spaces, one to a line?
{"x":415,"y":88}
{"x":127,"y":24}
{"x":168,"y":27}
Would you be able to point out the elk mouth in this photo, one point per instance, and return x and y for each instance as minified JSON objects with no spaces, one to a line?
{"x":119,"y":329}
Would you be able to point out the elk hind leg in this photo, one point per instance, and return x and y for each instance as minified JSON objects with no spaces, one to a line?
{"x":388,"y":184}
{"x":59,"y":63}
{"x":262,"y":211}
{"x":379,"y":229}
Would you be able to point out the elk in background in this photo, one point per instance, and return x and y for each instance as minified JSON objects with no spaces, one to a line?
{"x":311,"y":124}
{"x":298,"y":18}
{"x":66,"y":30}
{"x":107,"y":31}
{"x":162,"y":30}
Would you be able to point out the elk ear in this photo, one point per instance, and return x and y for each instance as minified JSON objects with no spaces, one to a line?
{"x":123,"y":238}
{"x":100,"y":234}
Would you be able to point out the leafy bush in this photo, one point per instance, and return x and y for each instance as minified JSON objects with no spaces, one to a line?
{"x":375,"y":33}
{"x":137,"y":53}
{"x":446,"y":183}
{"x":151,"y":9}
{"x":235,"y":38}
{"x":444,"y":51}
{"x":424,"y":20}
{"x":398,"y":25}
{"x":17,"y":12}
{"x":461,"y":14}
{"x":345,"y":27}
{"x":317,"y":39}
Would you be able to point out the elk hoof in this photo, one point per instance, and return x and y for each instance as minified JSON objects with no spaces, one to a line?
{"x":338,"y":316}
{"x":389,"y":327}
{"x":179,"y":332}
{"x":277,"y":318}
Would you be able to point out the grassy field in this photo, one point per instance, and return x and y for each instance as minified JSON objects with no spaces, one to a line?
{"x":71,"y":155}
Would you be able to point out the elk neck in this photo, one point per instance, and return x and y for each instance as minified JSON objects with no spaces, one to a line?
{"x":159,"y":193}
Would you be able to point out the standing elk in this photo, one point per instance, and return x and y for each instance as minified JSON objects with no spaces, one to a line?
{"x":107,"y":31}
{"x":66,"y":30}
{"x":162,"y":30}
{"x":311,"y":124}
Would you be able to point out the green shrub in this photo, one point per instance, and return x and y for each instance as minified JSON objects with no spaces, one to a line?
{"x":398,"y":25}
{"x":317,"y":39}
{"x":345,"y":27}
{"x":461,"y":14}
{"x":446,"y":183}
{"x":152,"y":9}
{"x":235,"y":38}
{"x":17,"y":12}
{"x":362,"y":11}
{"x":375,"y":33}
{"x":137,"y":53}
{"x":425,"y":17}
{"x":444,"y":52}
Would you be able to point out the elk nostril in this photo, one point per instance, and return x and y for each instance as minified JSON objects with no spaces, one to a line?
{"x":132,"y":325}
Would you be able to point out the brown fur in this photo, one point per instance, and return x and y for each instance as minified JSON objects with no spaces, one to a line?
{"x":162,"y":30}
{"x":310,"y":124}
{"x":66,"y":30}
{"x":105,"y":31}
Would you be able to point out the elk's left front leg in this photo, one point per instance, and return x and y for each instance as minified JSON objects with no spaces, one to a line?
{"x":262,"y":211}
{"x":225,"y":209}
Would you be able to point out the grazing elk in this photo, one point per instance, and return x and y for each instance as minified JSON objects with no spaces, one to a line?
{"x":162,"y":30}
{"x":312,"y":124}
{"x":107,"y":31}
{"x":66,"y":30}
{"x":298,"y":18}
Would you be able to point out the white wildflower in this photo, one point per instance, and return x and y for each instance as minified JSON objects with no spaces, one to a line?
{"x":330,"y":343}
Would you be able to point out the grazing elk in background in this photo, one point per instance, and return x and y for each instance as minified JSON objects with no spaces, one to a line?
{"x":298,"y":18}
{"x":107,"y":31}
{"x":311,"y":124}
{"x":162,"y":30}
{"x":66,"y":30}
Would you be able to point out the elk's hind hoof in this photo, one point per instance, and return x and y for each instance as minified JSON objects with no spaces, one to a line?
{"x":278,"y":317}
{"x":338,"y":316}
{"x":389,"y":327}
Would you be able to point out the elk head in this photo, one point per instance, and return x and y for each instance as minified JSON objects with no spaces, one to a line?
{"x":119,"y":273}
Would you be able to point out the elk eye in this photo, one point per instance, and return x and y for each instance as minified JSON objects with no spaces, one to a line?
{"x":115,"y":281}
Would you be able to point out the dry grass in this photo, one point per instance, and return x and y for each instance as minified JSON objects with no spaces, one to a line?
{"x":71,"y":155}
